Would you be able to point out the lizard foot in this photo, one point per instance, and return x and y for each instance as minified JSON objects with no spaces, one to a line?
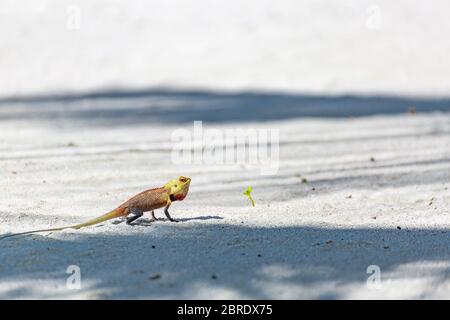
{"x":135,"y":214}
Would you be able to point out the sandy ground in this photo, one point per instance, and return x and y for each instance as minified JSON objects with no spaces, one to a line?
{"x":302,"y":240}
{"x":362,"y":184}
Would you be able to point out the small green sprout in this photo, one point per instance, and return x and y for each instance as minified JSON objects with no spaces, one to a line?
{"x":248,"y":194}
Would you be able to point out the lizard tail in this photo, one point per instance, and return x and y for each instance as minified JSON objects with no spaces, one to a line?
{"x":107,"y":216}
{"x":110,"y":215}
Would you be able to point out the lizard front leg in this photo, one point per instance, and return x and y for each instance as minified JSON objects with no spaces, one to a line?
{"x":136,"y":213}
{"x":166,"y":212}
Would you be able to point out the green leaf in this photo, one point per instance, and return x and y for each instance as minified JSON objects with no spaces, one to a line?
{"x":248,"y":192}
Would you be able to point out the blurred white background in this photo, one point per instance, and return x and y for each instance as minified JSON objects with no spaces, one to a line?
{"x":319,"y":46}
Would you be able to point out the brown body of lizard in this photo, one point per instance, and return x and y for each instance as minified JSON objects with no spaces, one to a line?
{"x":148,"y":200}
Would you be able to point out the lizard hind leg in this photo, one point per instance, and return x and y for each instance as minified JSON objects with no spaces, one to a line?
{"x":154,"y":218}
{"x":136,"y":214}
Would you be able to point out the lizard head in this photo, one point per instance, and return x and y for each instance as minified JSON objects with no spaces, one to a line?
{"x":178,"y":188}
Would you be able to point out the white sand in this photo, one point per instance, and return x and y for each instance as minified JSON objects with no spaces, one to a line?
{"x":66,"y":159}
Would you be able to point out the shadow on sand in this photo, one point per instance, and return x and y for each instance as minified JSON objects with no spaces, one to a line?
{"x":180,"y":260}
{"x":122,"y":107}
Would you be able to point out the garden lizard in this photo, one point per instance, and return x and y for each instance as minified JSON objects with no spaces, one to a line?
{"x":149,"y":200}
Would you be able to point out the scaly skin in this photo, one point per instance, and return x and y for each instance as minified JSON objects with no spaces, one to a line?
{"x":149,"y":200}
